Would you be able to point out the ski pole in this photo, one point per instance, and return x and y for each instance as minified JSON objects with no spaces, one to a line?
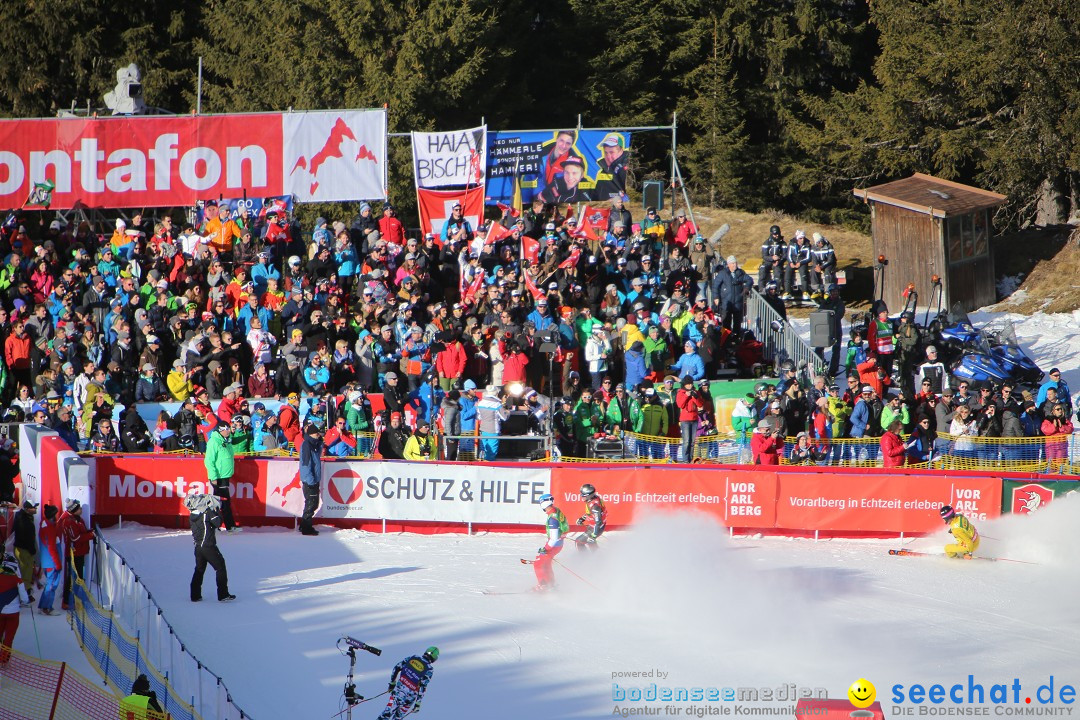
{"x":575,"y":574}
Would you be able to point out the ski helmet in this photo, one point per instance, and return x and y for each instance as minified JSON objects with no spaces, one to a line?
{"x":788,"y":366}
{"x":546,"y":501}
{"x":774,"y":230}
{"x":431,"y":654}
{"x":587,"y":491}
{"x":947,"y":513}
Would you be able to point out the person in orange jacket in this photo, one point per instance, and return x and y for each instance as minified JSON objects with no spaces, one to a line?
{"x":872,"y":373}
{"x":222,"y":231}
{"x":690,"y":405}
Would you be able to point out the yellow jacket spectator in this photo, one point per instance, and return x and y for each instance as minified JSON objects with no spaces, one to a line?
{"x":420,"y":446}
{"x":179,"y":382}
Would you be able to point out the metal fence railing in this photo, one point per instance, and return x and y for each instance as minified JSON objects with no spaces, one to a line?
{"x":782,"y":344}
{"x":1059,"y":454}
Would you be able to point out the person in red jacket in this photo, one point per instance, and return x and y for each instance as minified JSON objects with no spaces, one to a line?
{"x":766,"y":446}
{"x":893,"y":453}
{"x":690,"y":405}
{"x":450,"y":363}
{"x":514,"y":362}
{"x":289,"y":420}
{"x":873,"y":374}
{"x":390,"y":228}
{"x":12,"y":594}
{"x":77,"y":539}
{"x":17,"y":354}
{"x":50,"y":559}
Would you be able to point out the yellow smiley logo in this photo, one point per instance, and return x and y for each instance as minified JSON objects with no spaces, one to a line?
{"x":862,"y":693}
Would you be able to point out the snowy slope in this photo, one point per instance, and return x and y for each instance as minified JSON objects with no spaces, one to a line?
{"x":673,"y":594}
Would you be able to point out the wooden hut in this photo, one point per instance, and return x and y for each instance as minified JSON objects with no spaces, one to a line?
{"x":926,"y":226}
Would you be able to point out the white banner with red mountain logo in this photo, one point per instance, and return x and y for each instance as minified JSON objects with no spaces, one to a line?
{"x":168,"y":161}
{"x":450,"y":159}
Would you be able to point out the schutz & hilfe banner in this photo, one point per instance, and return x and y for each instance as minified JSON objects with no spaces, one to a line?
{"x":149,"y":161}
{"x":401,"y":491}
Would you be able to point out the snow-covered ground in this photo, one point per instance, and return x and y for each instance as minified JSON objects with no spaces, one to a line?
{"x":673,"y":595}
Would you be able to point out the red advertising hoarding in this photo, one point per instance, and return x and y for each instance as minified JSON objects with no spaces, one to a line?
{"x":153,"y":161}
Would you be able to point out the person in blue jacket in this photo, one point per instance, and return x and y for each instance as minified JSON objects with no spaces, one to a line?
{"x":1055,"y":381}
{"x":690,"y":363}
{"x":311,"y":451}
{"x":467,"y":415}
{"x":262,"y":271}
{"x":634,"y":360}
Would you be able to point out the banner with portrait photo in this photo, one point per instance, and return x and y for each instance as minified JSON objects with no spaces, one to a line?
{"x":450,"y":159}
{"x":559,"y":166}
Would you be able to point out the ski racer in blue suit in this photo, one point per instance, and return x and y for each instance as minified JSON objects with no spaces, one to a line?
{"x":408,"y":683}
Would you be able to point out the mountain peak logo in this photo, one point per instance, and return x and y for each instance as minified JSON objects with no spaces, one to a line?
{"x":345,"y":486}
{"x":340,"y":143}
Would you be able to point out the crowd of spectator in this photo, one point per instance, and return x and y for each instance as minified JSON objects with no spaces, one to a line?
{"x":617,"y":325}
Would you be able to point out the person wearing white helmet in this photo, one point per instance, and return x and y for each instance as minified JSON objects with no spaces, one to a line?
{"x":556,"y":527}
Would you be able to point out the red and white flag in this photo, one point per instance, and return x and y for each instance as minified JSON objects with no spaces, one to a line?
{"x":571,"y":261}
{"x":530,"y":285}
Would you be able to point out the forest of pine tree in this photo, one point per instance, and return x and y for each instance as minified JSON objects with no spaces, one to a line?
{"x":786,"y":104}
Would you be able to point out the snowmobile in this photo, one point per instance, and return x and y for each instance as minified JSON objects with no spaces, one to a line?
{"x":980,"y":355}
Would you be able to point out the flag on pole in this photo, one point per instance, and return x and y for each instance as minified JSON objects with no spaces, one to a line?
{"x":530,"y":249}
{"x":473,"y":289}
{"x":40,"y":195}
{"x":516,"y":201}
{"x":530,"y":285}
{"x":496,"y":233}
{"x":571,"y":261}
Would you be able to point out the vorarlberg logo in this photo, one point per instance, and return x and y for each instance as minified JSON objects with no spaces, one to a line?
{"x":972,"y":698}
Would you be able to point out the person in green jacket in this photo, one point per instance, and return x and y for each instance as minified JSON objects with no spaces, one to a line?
{"x":895,"y":410}
{"x":587,"y":421}
{"x":220,"y":467}
{"x":241,"y":438}
{"x":656,"y":351}
{"x":358,"y":422}
{"x":653,"y":422}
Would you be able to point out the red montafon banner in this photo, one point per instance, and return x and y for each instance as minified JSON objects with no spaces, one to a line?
{"x":150,"y":161}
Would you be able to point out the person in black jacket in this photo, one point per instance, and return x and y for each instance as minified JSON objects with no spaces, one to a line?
{"x":393,"y":438}
{"x":205,"y":520}
{"x":24,"y":528}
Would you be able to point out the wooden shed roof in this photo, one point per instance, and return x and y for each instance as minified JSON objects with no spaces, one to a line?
{"x":931,"y":196}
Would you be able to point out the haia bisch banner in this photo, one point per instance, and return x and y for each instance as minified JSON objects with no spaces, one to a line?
{"x":170,"y":161}
{"x":559,"y":166}
{"x":457,"y":158}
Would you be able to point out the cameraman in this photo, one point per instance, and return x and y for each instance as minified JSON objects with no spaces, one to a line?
{"x":690,"y":407}
{"x":766,"y":445}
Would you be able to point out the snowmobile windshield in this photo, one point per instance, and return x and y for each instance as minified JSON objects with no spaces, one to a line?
{"x":957,"y":314}
{"x":1001,"y":333}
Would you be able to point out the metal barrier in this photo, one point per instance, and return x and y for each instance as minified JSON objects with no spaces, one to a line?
{"x":785,"y":344}
{"x":147,"y":643}
{"x":1027,"y":454}
{"x":478,"y":448}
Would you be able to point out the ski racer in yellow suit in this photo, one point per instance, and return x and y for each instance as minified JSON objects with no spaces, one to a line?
{"x":965,"y":536}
